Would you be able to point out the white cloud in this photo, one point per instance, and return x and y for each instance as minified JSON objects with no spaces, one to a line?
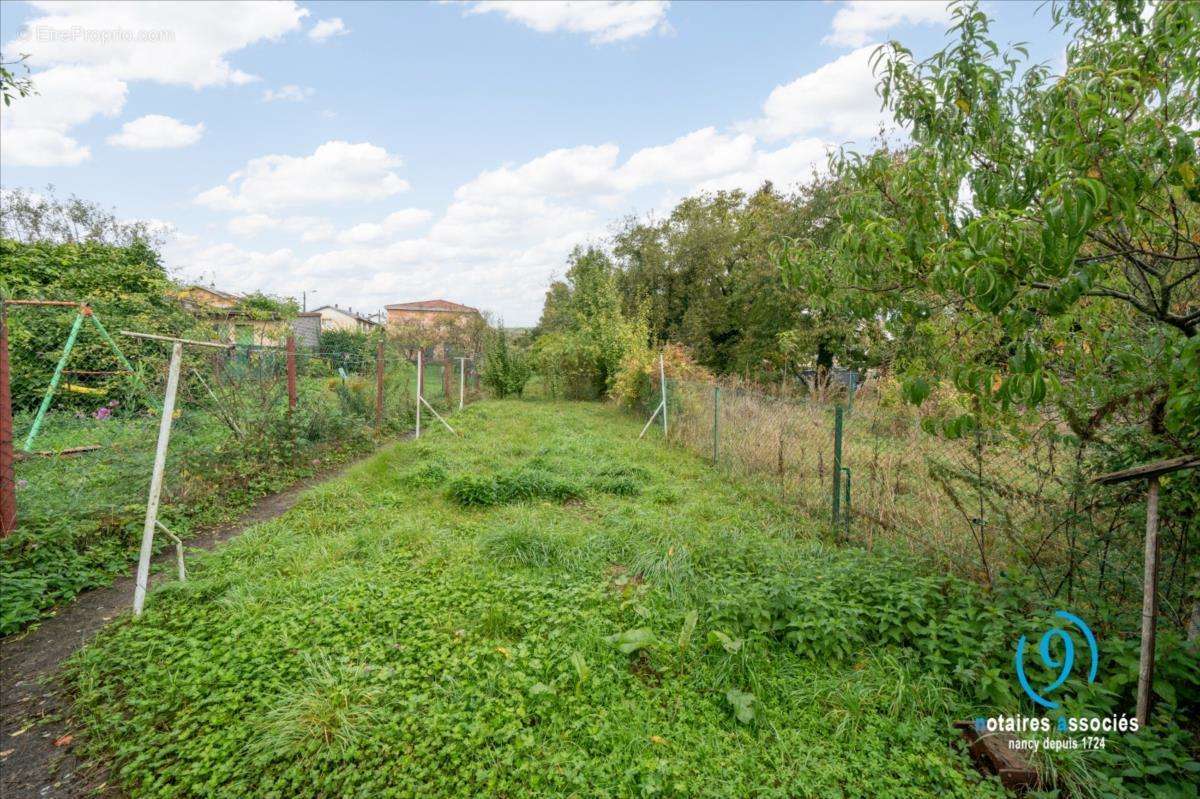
{"x":175,"y":43}
{"x":336,"y":172}
{"x":784,"y":167}
{"x":85,"y":54}
{"x":861,"y":21}
{"x":155,"y":131}
{"x":394,"y":222}
{"x":701,"y":154}
{"x":838,"y":97}
{"x":565,"y":172}
{"x":605,"y":21}
{"x":41,"y":147}
{"x":230,"y":267}
{"x":328,"y":28}
{"x":34,"y":130}
{"x":289,"y":93}
{"x":308,"y":228}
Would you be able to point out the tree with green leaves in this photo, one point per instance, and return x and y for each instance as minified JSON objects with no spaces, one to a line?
{"x":13,"y":83}
{"x":585,"y":333}
{"x":1037,"y":238}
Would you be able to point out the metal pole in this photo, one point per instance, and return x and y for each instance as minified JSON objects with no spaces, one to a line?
{"x":662,"y":378}
{"x":1149,"y":607}
{"x":420,"y":368}
{"x":462,"y":380}
{"x":379,"y":387}
{"x":837,"y":464}
{"x":716,"y":423}
{"x":58,"y":373}
{"x":156,"y":478}
{"x":291,"y":372}
{"x":650,"y":421}
{"x":8,"y":485}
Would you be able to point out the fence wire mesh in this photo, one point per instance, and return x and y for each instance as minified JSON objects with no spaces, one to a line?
{"x":1016,"y":501}
{"x":240,"y":429}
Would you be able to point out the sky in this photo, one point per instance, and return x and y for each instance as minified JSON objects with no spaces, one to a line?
{"x":377,"y":153}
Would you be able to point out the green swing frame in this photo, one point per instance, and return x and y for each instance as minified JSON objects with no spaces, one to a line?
{"x":83,"y":311}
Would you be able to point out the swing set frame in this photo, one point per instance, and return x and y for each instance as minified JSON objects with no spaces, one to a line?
{"x":83,"y":311}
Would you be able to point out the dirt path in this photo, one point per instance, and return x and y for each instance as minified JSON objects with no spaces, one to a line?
{"x":36,"y":757}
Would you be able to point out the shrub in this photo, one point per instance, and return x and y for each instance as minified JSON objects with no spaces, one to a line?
{"x":636,"y":384}
{"x":504,"y":489}
{"x":505,"y":370}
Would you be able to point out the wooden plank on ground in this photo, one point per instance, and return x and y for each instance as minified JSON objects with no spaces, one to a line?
{"x":992,"y":754}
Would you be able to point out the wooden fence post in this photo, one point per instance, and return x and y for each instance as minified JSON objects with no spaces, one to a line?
{"x":1145,"y":687}
{"x":379,"y":388}
{"x":1150,"y":472}
{"x":8,"y":485}
{"x":291,"y":372}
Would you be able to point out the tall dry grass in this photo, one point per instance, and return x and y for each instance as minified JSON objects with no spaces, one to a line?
{"x":977,"y":504}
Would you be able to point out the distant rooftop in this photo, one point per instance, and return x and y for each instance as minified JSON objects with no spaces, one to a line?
{"x":347,"y":312}
{"x":437,"y":306}
{"x":212,"y":290}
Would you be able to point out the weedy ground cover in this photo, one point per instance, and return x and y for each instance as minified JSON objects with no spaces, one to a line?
{"x":545,"y":606}
{"x":81,"y":516}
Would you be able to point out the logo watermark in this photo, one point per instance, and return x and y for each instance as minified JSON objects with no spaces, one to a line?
{"x":78,"y":33}
{"x":1056,"y":649}
{"x":1064,"y":664}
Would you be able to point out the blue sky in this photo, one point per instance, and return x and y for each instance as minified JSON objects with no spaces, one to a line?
{"x":384,"y":152}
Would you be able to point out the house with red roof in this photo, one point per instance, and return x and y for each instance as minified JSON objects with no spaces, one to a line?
{"x":436,"y":324}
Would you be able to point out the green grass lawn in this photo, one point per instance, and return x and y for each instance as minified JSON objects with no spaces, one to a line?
{"x":544,"y":606}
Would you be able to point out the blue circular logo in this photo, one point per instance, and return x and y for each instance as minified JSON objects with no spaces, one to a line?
{"x":1063,"y":663}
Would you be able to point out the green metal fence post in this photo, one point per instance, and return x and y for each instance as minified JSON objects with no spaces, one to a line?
{"x":837,"y":464}
{"x":716,"y":424}
{"x":58,"y":373}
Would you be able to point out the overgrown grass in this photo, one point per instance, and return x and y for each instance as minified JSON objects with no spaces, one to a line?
{"x":81,"y":516}
{"x":692,"y":637}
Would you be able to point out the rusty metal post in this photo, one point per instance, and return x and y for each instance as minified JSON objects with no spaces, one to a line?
{"x":379,"y":388}
{"x":291,"y":372}
{"x":8,"y":485}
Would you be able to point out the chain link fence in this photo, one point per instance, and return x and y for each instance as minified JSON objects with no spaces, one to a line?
{"x":248,"y":421}
{"x":1016,"y":502}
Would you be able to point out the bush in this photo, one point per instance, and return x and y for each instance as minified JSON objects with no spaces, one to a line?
{"x":636,"y":383}
{"x":505,"y":489}
{"x":505,"y":370}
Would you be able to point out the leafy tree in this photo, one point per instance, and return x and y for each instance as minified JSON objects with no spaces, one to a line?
{"x":584,"y":332}
{"x":1045,"y":227}
{"x":31,"y":218}
{"x":258,"y":305}
{"x":12,"y":83}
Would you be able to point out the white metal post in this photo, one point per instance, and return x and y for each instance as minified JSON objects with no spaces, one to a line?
{"x":156,"y":478}
{"x":462,"y":380}
{"x":662,"y":378}
{"x":420,"y":368}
